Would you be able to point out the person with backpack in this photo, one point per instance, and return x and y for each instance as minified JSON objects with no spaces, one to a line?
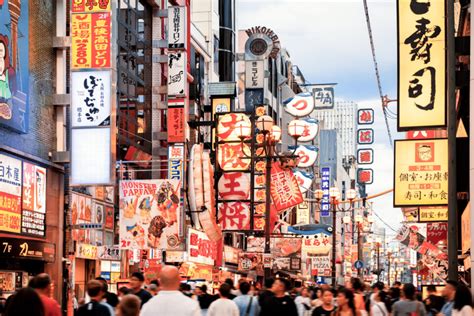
{"x":247,"y":304}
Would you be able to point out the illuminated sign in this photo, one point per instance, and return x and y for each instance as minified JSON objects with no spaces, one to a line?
{"x":325,"y":184}
{"x":300,"y":105}
{"x":234,"y":186}
{"x":234,"y":215}
{"x":254,"y":74}
{"x":421,"y":64}
{"x":421,"y":172}
{"x":27,"y":249}
{"x":177,"y":73}
{"x":200,"y":248}
{"x":308,"y":154}
{"x":176,"y":162}
{"x":433,"y":214}
{"x":304,"y":179}
{"x":311,"y":129}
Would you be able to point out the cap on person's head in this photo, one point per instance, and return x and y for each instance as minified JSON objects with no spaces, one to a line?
{"x":244,"y":287}
{"x":40,"y":282}
{"x":94,"y":288}
{"x":139,"y":276}
{"x":224,"y":290}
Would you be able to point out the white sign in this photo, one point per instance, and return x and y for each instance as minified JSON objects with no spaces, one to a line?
{"x":200,"y":247}
{"x":321,"y":265}
{"x":254,"y":74}
{"x":300,"y":105}
{"x":10,"y":175}
{"x":177,"y":27}
{"x":90,"y":156}
{"x":90,"y":98}
{"x":323,"y":96}
{"x":177,"y":73}
{"x":311,"y":129}
{"x":108,"y":252}
{"x":302,"y":213}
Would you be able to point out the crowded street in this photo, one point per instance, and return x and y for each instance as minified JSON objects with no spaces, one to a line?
{"x":236,"y":158}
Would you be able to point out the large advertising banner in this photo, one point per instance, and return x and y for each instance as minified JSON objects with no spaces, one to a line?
{"x":421,"y":64}
{"x":14,"y":67}
{"x":34,"y":200}
{"x":149,"y":214}
{"x":10,"y":194}
{"x":421,"y":172}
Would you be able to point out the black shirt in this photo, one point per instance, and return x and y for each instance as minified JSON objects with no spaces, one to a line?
{"x":265,"y":301}
{"x":143,"y":295}
{"x":93,"y":309}
{"x":284,"y":306}
{"x":205,"y":300}
{"x":320,"y":311}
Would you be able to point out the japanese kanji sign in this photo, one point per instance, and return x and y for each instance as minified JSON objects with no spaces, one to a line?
{"x":10,"y":194}
{"x":226,"y":127}
{"x":90,"y":98}
{"x":176,"y":162}
{"x":433,"y":214}
{"x":234,"y":216}
{"x":365,"y":136}
{"x":200,"y":248}
{"x":177,"y":27}
{"x":323,"y":96}
{"x":421,"y":172}
{"x":365,"y":116}
{"x":284,"y":188}
{"x":254,"y":74}
{"x":325,"y":184}
{"x":230,"y":156}
{"x":33,"y":200}
{"x":175,"y":121}
{"x":234,"y":186}
{"x":421,"y":64}
{"x":177,"y":73}
{"x":365,"y":176}
{"x":365,"y":156}
{"x":308,"y":154}
{"x":91,"y":40}
{"x":79,"y":6}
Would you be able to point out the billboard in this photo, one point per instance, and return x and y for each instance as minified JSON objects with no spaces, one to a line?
{"x":421,"y":172}
{"x":421,"y":64}
{"x":14,"y":68}
{"x":149,"y":214}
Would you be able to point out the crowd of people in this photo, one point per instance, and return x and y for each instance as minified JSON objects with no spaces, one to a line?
{"x":169,"y":296}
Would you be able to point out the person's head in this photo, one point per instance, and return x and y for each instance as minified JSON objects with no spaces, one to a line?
{"x":304,"y":292}
{"x":4,"y":58}
{"x":136,"y":280}
{"x":345,"y":298}
{"x":41,"y":283}
{"x":185,"y":287}
{"x":394,"y":292}
{"x":153,"y":289}
{"x":380,"y":296}
{"x":230,"y":282}
{"x":449,"y":290}
{"x":409,"y":291}
{"x":197,"y":291}
{"x":104,"y":282}
{"x":319,"y":292}
{"x":462,"y":297}
{"x":129,"y":306}
{"x":122,"y":291}
{"x":204,"y":288}
{"x":95,"y":290}
{"x":269,"y":283}
{"x":357,"y":285}
{"x":378,"y":286}
{"x":327,"y":297}
{"x":244,"y":287}
{"x":16,"y":305}
{"x":224,"y":290}
{"x":280,"y":286}
{"x":169,"y":278}
{"x":397,"y":284}
{"x":156,"y":282}
{"x":431,"y":289}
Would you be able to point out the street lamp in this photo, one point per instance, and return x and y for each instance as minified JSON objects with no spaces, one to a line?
{"x":334,"y":196}
{"x":271,"y":136}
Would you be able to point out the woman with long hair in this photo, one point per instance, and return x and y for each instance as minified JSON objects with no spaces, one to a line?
{"x":462,"y":302}
{"x":345,"y":304}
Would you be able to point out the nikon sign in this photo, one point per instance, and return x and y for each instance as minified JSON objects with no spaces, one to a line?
{"x":262,"y":43}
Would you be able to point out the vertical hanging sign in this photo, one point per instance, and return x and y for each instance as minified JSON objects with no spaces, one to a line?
{"x":421,"y":64}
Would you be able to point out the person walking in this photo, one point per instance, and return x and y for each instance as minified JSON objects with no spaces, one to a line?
{"x":136,"y":284}
{"x":42,"y":285}
{"x":462,"y":302}
{"x":378,"y":304}
{"x":265,"y":298}
{"x":170,"y":301}
{"x":345,"y":304}
{"x":282,"y":304}
{"x":129,"y":306}
{"x":409,"y":304}
{"x":205,"y":299}
{"x":247,"y":304}
{"x":110,"y":298}
{"x":303,"y":302}
{"x":327,"y":306}
{"x":434,"y":302}
{"x":26,"y":301}
{"x":449,"y":292}
{"x":95,"y":290}
{"x":358,"y":288}
{"x":224,"y":305}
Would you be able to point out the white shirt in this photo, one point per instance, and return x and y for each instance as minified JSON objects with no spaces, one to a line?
{"x":299,"y":301}
{"x":465,"y":311}
{"x":379,"y":309}
{"x":223,"y":307}
{"x":171,"y":303}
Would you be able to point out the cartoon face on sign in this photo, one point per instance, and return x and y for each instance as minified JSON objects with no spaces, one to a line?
{"x":300,"y":105}
{"x":308,"y":155}
{"x":424,"y":152}
{"x":311,"y":129}
{"x":305,"y":179}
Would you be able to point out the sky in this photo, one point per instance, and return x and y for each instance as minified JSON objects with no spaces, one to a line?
{"x":328,"y":40}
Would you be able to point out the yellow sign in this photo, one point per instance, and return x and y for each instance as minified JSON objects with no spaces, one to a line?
{"x":466,"y":229}
{"x":421,"y":64}
{"x":433,"y":214}
{"x":302,"y":213}
{"x":410,"y":214}
{"x":220,"y":105}
{"x":421,"y":172}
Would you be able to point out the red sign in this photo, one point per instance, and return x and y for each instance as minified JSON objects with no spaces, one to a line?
{"x":231,"y":156}
{"x":200,"y":248}
{"x":234,"y":216}
{"x":365,"y":116}
{"x":284,"y":188}
{"x":365,"y":156}
{"x":109,"y":218}
{"x":176,"y":125}
{"x":437,"y":233}
{"x":421,"y":134}
{"x":90,"y":5}
{"x":365,"y":136}
{"x":141,"y":157}
{"x":365,"y":176}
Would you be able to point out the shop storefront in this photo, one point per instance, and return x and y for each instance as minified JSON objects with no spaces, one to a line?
{"x":31,"y":220}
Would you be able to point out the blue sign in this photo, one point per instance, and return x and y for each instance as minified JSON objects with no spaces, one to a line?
{"x":358,"y":264}
{"x":325,"y":183}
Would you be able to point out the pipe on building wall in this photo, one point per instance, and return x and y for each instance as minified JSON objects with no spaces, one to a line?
{"x":471,"y":153}
{"x":226,"y":40}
